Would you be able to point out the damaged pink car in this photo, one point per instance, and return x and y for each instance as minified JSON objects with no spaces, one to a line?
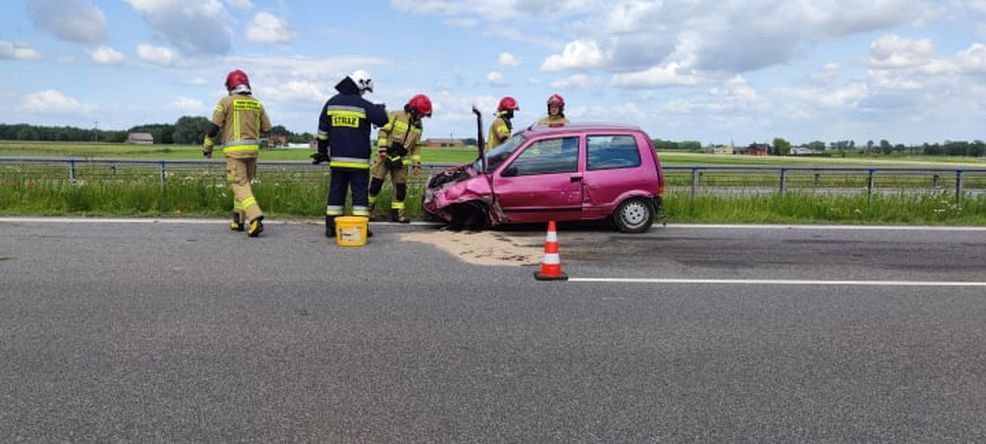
{"x":570,"y":173}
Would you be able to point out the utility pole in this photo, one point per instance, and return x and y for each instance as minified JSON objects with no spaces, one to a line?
{"x":95,"y":131}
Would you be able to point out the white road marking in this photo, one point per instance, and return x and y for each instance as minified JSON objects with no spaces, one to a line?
{"x":823,"y":227}
{"x":782,"y":282}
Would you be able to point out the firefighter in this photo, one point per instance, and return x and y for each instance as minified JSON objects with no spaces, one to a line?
{"x":344,"y":142}
{"x":242,"y":118}
{"x":501,"y":128}
{"x":556,"y":112}
{"x":397,"y":147}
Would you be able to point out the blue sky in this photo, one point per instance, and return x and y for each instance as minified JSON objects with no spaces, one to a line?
{"x":716,"y":71}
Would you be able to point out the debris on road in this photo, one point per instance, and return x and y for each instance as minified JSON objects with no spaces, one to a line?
{"x":482,"y":247}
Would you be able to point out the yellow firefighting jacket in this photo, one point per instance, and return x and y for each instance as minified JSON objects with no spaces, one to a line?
{"x":553,"y":121}
{"x":499,"y":131}
{"x":399,"y":129}
{"x":242,"y":119}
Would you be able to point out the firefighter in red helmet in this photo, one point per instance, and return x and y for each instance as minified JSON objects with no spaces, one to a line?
{"x":556,"y":112}
{"x":501,"y":128}
{"x":242,"y":118}
{"x":397,"y":148}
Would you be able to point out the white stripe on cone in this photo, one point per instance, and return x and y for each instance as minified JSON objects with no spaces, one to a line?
{"x":552,"y":236}
{"x":551,"y":259}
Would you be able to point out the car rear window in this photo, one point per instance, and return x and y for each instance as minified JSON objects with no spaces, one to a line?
{"x":608,"y":152}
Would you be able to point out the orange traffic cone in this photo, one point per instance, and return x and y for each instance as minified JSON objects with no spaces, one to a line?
{"x":551,"y":264}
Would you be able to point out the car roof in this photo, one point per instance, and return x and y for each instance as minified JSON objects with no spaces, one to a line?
{"x":578,"y":127}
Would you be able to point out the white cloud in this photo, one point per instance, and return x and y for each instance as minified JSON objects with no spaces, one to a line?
{"x":580,"y":54}
{"x":576,"y":81}
{"x":268,"y":28}
{"x":106,"y":56}
{"x":157,"y":55}
{"x":508,"y":59}
{"x":731,"y":95}
{"x":656,"y":77}
{"x":193,"y":26}
{"x":50,"y":100}
{"x":17,"y":51}
{"x":846,"y":96}
{"x":461,"y":22}
{"x":287,"y":79}
{"x":894,"y":52}
{"x":70,"y":20}
{"x":295,"y":91}
{"x":244,"y":5}
{"x":899,"y":63}
{"x":495,"y":79}
{"x":973,"y":59}
{"x":826,"y":75}
{"x":188,"y":105}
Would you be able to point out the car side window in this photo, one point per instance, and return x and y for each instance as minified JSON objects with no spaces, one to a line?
{"x":559,"y":155}
{"x":608,"y":152}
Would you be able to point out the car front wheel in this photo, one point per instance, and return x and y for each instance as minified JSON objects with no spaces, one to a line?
{"x":634,"y":215}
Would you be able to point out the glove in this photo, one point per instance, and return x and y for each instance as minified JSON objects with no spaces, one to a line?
{"x":394,"y":154}
{"x":318,"y":158}
{"x":207,"y":146}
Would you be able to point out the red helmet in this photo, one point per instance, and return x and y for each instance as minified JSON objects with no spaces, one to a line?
{"x":508,"y":104}
{"x":236,"y":78}
{"x":557,"y":99}
{"x":420,"y":104}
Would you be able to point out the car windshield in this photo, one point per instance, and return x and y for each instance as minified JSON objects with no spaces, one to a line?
{"x":501,"y":153}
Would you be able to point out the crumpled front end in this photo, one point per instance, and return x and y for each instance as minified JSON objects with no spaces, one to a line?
{"x":460,"y":197}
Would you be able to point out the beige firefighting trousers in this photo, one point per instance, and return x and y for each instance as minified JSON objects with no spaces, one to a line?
{"x":239,"y":173}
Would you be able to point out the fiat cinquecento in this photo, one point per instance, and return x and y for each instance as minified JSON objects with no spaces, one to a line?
{"x":577,"y":172}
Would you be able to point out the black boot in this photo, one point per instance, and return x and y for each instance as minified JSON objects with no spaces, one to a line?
{"x":236,"y":224}
{"x":330,"y":226}
{"x":399,"y":217}
{"x":256,"y":227}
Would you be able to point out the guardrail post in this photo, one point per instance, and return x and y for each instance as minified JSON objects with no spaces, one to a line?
{"x":818,"y":180}
{"x":958,"y":187}
{"x":71,"y":170}
{"x":869,"y":185}
{"x":935,"y":180}
{"x":160,"y":169}
{"x":783,"y":181}
{"x":694,"y":182}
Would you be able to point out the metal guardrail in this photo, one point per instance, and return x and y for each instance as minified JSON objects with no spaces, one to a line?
{"x":938,"y":176}
{"x":780,"y":178}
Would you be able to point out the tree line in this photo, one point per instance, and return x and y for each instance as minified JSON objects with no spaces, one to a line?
{"x":782,"y":147}
{"x":187,"y":130}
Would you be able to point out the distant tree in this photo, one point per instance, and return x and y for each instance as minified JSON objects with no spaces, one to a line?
{"x":782,"y":147}
{"x":817,"y":145}
{"x":690,"y":145}
{"x":280,"y":130}
{"x":162,"y":132}
{"x":28,"y":133}
{"x":869,"y":146}
{"x":885,"y":147}
{"x":190,"y":130}
{"x":471,"y":141}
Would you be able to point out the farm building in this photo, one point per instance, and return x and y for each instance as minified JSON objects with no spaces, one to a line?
{"x":444,"y":143}
{"x":140,"y":138}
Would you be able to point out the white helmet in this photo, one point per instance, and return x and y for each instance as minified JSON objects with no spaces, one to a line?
{"x":362,"y":80}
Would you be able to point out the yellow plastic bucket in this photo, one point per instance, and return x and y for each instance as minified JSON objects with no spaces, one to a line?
{"x":351,"y":231}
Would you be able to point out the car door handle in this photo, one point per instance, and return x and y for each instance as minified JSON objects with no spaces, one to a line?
{"x":574,"y":179}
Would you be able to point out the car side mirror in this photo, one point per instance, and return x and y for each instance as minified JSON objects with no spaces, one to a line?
{"x":510,"y":171}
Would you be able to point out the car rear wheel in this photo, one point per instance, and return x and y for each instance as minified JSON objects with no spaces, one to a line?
{"x":634,"y":215}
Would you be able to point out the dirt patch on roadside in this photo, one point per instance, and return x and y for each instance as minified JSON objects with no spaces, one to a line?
{"x":483,"y":247}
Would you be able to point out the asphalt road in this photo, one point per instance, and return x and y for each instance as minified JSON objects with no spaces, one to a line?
{"x":187,"y":332}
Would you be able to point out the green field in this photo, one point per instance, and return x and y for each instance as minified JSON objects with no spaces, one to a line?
{"x":463,"y":155}
{"x":101,"y":189}
{"x":187,"y":152}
